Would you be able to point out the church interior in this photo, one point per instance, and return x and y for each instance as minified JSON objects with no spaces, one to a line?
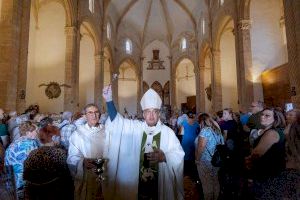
{"x":200,"y":56}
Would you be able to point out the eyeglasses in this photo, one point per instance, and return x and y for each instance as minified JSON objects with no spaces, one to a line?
{"x":93,"y":113}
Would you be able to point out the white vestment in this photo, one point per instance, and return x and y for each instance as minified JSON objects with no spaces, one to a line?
{"x":123,"y":147}
{"x":85,"y":142}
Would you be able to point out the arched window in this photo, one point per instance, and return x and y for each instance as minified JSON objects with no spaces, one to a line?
{"x":128,"y":46}
{"x":108,"y":30}
{"x":183,"y":44}
{"x":203,"y":26}
{"x":221,"y":2}
{"x":91,"y":5}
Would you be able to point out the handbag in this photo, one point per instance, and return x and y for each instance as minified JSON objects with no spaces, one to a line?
{"x":220,"y":154}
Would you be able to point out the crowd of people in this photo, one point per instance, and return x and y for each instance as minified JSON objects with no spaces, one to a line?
{"x":52,"y":156}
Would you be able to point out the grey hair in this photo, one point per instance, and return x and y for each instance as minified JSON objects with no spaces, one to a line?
{"x":67,"y":115}
{"x":88,"y":106}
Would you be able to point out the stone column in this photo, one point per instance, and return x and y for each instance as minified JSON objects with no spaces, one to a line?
{"x":292,"y":24}
{"x":140,"y":85}
{"x":13,"y":51}
{"x":216,"y":81}
{"x":23,"y":57}
{"x":99,"y":79}
{"x":244,"y":64}
{"x":115,"y":88}
{"x":201,"y":88}
{"x":172,"y":84}
{"x":197,"y":80}
{"x":71,"y":95}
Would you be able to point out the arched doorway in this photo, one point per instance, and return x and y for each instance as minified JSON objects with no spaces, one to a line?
{"x":46,"y":55}
{"x":127,"y":88}
{"x":228,"y":66}
{"x":86,"y":67}
{"x":185,"y":85}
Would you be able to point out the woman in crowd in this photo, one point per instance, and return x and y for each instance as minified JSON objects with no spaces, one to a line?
{"x":3,"y":129}
{"x":18,"y":151}
{"x":47,"y":175}
{"x":267,"y":159}
{"x":210,"y":136}
{"x":291,"y":117}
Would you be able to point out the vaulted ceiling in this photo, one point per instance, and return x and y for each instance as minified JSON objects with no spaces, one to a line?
{"x":163,"y":20}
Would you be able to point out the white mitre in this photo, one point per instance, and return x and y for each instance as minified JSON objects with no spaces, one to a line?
{"x":151,"y":100}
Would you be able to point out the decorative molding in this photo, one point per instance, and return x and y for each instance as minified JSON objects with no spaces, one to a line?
{"x":244,"y":24}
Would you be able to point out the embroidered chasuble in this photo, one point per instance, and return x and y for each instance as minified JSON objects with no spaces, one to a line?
{"x":148,"y":177}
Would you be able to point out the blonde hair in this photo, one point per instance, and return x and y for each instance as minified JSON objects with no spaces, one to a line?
{"x":207,"y":121}
{"x":25,"y":127}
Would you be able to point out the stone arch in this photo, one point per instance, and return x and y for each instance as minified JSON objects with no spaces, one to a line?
{"x":93,"y":33}
{"x":43,"y":69}
{"x":128,"y":86}
{"x":68,"y":6}
{"x":178,"y":61}
{"x":204,"y":50}
{"x":131,"y":61}
{"x":221,"y":25}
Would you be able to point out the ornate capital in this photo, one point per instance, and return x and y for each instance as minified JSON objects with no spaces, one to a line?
{"x":244,"y":24}
{"x":70,"y":30}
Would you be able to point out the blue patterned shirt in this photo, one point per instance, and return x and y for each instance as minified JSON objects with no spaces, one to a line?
{"x":212,"y":140}
{"x":16,"y":154}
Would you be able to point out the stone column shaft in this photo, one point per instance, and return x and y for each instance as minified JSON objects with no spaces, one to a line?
{"x":198,"y":93}
{"x":202,"y":88}
{"x":244,"y":65}
{"x":13,"y":50}
{"x":172,"y":85}
{"x":23,"y":53}
{"x":99,"y":79}
{"x":140,"y":86}
{"x":71,"y":95}
{"x":292,"y":15}
{"x":216,"y":81}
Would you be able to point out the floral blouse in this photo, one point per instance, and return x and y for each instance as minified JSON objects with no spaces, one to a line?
{"x":16,"y":154}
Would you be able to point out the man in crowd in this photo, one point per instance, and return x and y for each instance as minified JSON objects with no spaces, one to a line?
{"x":66,"y":128}
{"x":145,"y":158}
{"x":254,"y":119}
{"x":85,"y":145}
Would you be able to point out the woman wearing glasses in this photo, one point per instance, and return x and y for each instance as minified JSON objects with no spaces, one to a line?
{"x":267,"y":159}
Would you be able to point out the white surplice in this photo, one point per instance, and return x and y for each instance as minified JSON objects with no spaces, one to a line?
{"x":123,"y":147}
{"x":85,"y":142}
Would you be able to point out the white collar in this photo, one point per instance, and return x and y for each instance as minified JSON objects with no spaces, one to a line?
{"x":153,"y":130}
{"x":93,"y":129}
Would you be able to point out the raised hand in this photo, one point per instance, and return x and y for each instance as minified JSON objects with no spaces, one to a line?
{"x":107,"y":93}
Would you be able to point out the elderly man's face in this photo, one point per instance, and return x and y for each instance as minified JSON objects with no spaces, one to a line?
{"x":151,"y":116}
{"x":92,"y":115}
